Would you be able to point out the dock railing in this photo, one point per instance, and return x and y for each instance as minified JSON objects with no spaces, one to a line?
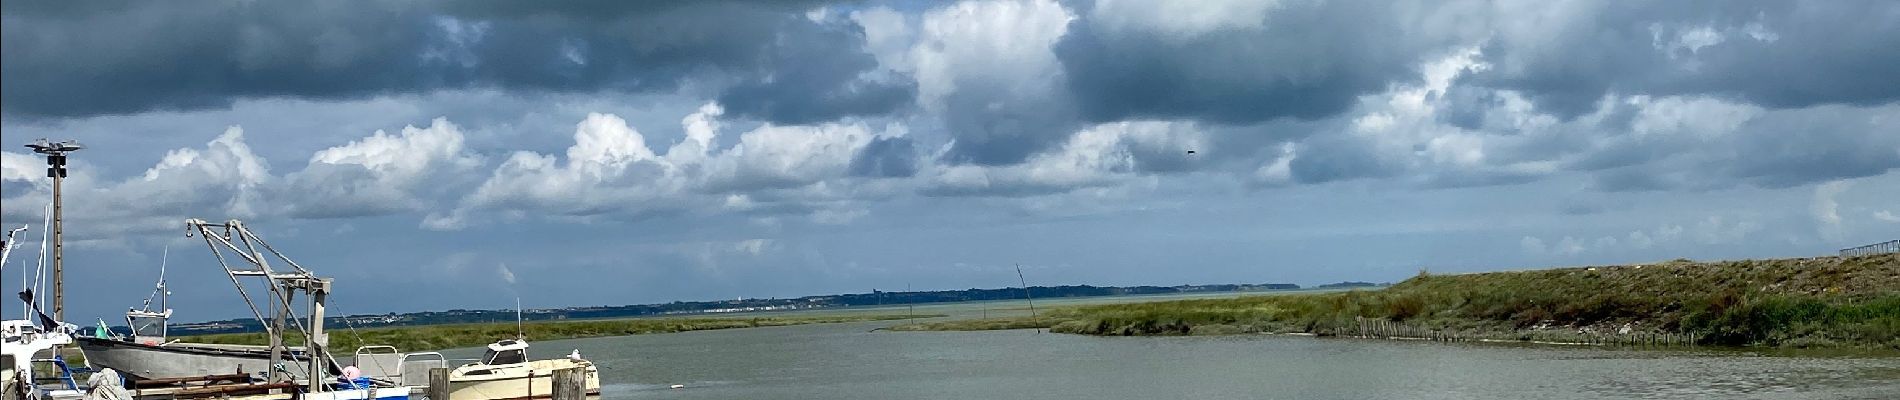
{"x":1887,"y":247}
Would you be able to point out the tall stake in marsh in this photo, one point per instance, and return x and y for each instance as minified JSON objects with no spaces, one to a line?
{"x":1027,"y":297}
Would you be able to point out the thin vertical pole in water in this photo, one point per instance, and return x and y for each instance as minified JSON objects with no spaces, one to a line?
{"x":1027,"y":297}
{"x":912,"y":303}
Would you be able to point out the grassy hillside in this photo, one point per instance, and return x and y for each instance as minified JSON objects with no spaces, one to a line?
{"x":1811,"y":302}
{"x":436,"y":337}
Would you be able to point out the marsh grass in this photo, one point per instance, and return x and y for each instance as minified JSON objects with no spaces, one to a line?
{"x":437,"y":337}
{"x":987,"y":324}
{"x":1816,"y":302}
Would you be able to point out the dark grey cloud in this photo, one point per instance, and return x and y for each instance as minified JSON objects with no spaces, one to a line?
{"x":1478,"y":178}
{"x":1779,"y":149}
{"x":94,"y":58}
{"x":815,"y":80}
{"x":1339,"y":157}
{"x":1624,"y":151}
{"x":1465,"y":106}
{"x":1811,"y":145}
{"x":1297,"y":64}
{"x":131,"y":57}
{"x":994,"y":129}
{"x":1770,"y":53}
{"x":886,"y":158}
{"x":1633,"y":179}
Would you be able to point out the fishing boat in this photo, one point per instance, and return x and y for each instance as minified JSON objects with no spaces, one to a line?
{"x":146,"y":354}
{"x":310,"y":371}
{"x":178,"y":360}
{"x":505,"y":373}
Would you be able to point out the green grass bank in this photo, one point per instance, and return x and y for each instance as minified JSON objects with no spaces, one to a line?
{"x":437,"y":337}
{"x":1824,"y":302}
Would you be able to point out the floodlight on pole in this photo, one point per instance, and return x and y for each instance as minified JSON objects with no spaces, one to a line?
{"x":55,"y":153}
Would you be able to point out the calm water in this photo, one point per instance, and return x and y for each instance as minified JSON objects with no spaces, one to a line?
{"x":846,"y":361}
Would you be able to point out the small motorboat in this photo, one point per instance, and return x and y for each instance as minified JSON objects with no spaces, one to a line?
{"x":505,"y":373}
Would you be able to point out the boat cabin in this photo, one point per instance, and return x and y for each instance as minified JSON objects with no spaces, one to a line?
{"x":18,"y":328}
{"x":147,"y":327}
{"x":508,"y":351}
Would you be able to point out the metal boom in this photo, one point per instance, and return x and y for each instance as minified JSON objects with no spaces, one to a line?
{"x":232,"y":236}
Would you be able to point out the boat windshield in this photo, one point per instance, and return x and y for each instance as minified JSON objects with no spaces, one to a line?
{"x":501,"y":357}
{"x":152,"y":327}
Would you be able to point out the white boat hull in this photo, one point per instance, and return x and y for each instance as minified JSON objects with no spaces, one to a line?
{"x":525,"y":381}
{"x":387,"y":393}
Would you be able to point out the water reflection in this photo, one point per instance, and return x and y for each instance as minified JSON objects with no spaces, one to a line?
{"x":844,"y":361}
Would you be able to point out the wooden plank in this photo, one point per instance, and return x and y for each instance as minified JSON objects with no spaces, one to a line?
{"x":185,"y":379}
{"x":217,"y":390}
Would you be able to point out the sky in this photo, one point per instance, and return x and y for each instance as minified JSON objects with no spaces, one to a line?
{"x":434,"y":155}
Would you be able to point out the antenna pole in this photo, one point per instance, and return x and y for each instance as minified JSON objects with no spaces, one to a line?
{"x":59,"y":246}
{"x":56,"y":168}
{"x":519,"y":333}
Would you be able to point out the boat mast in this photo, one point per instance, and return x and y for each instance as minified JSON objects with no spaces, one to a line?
{"x":164,"y":301}
{"x":6,"y":248}
{"x":37,"y":284}
{"x":164,"y":293}
{"x":56,"y":168}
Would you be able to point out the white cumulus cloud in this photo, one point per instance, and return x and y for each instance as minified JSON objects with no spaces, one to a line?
{"x":1097,"y":156}
{"x":610,"y":169}
{"x":1826,"y":209}
{"x":381,"y":173}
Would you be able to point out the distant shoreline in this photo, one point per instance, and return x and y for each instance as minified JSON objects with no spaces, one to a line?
{"x":439,"y":337}
{"x":716,"y":309}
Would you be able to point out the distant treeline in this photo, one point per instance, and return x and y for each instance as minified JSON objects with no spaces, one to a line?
{"x":873,"y":298}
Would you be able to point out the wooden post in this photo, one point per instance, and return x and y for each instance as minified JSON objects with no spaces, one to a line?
{"x":570,"y":384}
{"x":438,"y":384}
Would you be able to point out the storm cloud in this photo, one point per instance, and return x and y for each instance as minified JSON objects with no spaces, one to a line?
{"x":1769,"y":53}
{"x":123,"y":58}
